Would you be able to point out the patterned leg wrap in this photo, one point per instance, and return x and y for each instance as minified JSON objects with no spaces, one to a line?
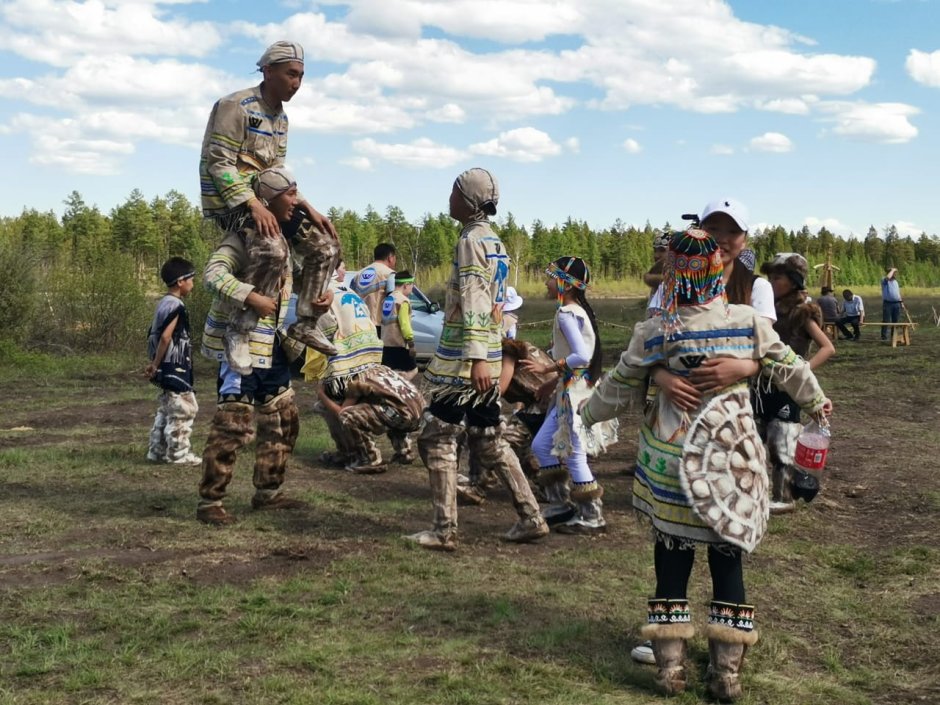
{"x":403,"y":446}
{"x":156,"y":450}
{"x":669,"y":626}
{"x":730,"y":631}
{"x":181,"y":411}
{"x":361,"y":423}
{"x":437,"y":445}
{"x":589,"y":518}
{"x":493,"y":453}
{"x":320,"y":252}
{"x":343,"y":445}
{"x":278,"y":426}
{"x":232,"y":429}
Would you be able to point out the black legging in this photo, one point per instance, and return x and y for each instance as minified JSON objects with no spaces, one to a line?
{"x":674,"y":566}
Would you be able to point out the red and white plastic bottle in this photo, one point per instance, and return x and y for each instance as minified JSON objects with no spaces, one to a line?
{"x":812,"y":447}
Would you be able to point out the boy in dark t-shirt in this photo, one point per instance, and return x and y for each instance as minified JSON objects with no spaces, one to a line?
{"x":171,"y":369}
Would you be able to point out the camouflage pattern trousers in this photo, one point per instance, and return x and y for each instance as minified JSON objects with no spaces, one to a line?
{"x":355,"y":428}
{"x":489,"y":450}
{"x":170,"y":436}
{"x":233,"y":427}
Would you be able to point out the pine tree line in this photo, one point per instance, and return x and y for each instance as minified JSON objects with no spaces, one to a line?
{"x":98,"y":268}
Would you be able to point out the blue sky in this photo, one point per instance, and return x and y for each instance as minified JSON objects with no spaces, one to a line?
{"x":811,"y":112}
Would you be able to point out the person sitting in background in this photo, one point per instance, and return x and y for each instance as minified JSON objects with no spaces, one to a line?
{"x":853,"y":313}
{"x":829,"y":305}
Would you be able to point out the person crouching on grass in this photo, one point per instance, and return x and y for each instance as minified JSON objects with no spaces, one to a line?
{"x":171,"y":369}
{"x":398,"y":338}
{"x":262,"y":399}
{"x":701,"y":475}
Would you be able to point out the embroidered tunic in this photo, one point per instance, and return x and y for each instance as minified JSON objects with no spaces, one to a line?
{"x":225,"y":266}
{"x":708,"y":331}
{"x":371,"y":286}
{"x":476,"y":292}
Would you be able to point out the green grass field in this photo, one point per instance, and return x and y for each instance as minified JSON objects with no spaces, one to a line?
{"x":113,"y":593}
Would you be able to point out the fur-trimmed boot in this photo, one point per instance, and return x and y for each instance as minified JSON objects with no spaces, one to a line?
{"x":669,"y":628}
{"x":278,"y":427}
{"x":589,"y":518}
{"x":553,"y":479}
{"x":730,"y":631}
{"x":232,"y":429}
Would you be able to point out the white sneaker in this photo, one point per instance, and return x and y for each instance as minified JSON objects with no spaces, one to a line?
{"x":777,"y":508}
{"x":643,"y":653}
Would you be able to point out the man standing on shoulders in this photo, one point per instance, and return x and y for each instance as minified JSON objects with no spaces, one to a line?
{"x":376,"y":281}
{"x":246,"y":134}
{"x":891,"y":301}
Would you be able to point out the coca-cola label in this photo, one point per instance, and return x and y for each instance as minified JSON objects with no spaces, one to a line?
{"x":810,"y":458}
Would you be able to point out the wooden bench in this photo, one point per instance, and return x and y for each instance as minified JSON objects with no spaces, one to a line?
{"x":900,"y":332}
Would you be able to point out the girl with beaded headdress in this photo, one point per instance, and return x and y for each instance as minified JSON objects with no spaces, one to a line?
{"x":576,"y":366}
{"x":700,"y":474}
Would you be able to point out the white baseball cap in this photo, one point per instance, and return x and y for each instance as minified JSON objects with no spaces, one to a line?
{"x":729,"y":206}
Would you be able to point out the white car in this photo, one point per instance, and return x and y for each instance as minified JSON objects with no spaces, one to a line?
{"x":427,"y":320}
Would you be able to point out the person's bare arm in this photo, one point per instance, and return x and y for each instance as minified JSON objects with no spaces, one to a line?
{"x":165,"y":337}
{"x":825,"y":348}
{"x":678,"y":390}
{"x":719,"y":372}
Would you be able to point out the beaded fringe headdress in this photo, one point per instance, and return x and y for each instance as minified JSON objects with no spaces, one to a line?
{"x":693,"y":275}
{"x":559,"y":269}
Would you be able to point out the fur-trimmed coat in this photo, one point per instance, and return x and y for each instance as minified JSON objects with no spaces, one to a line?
{"x":794,"y":311}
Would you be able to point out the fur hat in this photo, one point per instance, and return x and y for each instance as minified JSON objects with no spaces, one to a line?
{"x":792,"y":264}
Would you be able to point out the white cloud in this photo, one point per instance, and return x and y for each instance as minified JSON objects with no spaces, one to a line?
{"x":907,"y":229}
{"x":573,"y":145}
{"x":358,"y":163}
{"x":525,"y":144}
{"x":788,"y":106}
{"x":632,"y":146}
{"x":721,"y":150}
{"x":497,"y":20}
{"x":419,"y":153}
{"x":771,"y":142}
{"x":833,"y":225}
{"x":923,"y":67}
{"x":59,"y":32}
{"x":871,"y":122}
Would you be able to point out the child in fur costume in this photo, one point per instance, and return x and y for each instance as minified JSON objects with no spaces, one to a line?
{"x":562,"y":444}
{"x":701,"y":475}
{"x":799,"y":323}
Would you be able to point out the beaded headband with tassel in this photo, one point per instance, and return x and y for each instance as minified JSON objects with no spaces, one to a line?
{"x":693,"y":275}
{"x":560,"y":270}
